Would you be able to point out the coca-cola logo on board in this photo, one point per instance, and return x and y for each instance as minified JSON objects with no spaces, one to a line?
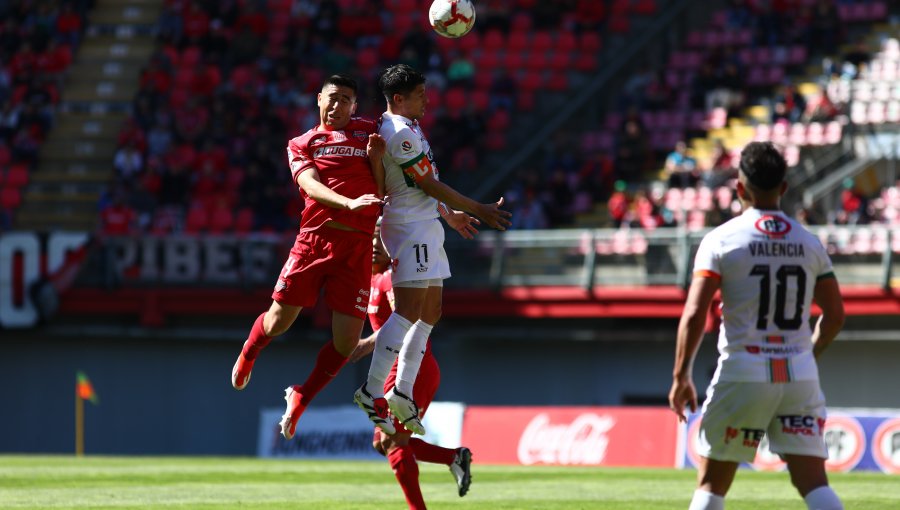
{"x":583,"y":441}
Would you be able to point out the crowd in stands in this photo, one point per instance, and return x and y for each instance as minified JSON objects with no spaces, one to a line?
{"x":231,"y":82}
{"x":745,"y":57}
{"x":37,"y":41}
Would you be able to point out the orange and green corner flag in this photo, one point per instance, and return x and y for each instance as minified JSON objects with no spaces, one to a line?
{"x":85,"y":390}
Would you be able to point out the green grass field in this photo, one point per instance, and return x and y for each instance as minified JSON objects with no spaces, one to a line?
{"x":41,"y":482}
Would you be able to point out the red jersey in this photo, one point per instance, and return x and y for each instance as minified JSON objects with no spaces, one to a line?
{"x":340,"y":158}
{"x":381,"y":303}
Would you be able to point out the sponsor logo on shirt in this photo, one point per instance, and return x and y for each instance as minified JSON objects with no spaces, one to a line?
{"x":773,"y":226}
{"x":281,"y":286}
{"x":777,"y":351}
{"x":339,"y":150}
{"x":406,"y":146}
{"x":360,"y":135}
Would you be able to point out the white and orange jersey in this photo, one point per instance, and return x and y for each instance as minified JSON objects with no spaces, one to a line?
{"x":768,"y":265}
{"x":407,"y":161}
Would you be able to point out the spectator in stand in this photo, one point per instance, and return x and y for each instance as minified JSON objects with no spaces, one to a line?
{"x":789,"y":105}
{"x":117,"y":219}
{"x":821,"y":109}
{"x":631,"y":152}
{"x":529,"y":214}
{"x":854,"y":205}
{"x":502,"y":91}
{"x":723,"y":167}
{"x":128,"y":162}
{"x":681,"y":168}
{"x":826,"y":30}
{"x":619,"y":205}
{"x":461,"y":70}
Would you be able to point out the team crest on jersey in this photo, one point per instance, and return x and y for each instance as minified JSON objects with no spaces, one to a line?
{"x":338,"y":136}
{"x":773,"y":226}
{"x":360,"y":135}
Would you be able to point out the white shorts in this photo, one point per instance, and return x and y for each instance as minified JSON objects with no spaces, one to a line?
{"x":736,"y":415}
{"x":417,"y":252}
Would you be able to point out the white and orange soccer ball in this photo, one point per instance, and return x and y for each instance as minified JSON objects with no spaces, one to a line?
{"x":452,"y":18}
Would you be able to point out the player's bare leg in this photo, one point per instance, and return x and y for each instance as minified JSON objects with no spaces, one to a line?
{"x":714,"y":478}
{"x":268,"y":325}
{"x":345,"y":330}
{"x":809,"y":477}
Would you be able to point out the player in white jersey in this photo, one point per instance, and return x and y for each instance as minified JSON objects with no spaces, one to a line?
{"x":414,"y":238}
{"x":770,"y":270}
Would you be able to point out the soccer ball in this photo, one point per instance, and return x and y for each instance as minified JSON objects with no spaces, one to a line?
{"x":452,"y":18}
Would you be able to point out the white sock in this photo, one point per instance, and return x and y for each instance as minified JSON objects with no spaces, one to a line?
{"x":823,"y":498}
{"x":387,"y":344}
{"x":411,"y":355}
{"x":704,"y":500}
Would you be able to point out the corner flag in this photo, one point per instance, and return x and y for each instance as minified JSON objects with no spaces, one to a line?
{"x":84,"y":389}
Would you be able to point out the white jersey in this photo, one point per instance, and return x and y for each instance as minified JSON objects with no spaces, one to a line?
{"x":408,"y":158}
{"x":768,"y":265}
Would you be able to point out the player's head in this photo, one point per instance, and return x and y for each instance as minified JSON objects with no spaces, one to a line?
{"x":404,"y":89}
{"x":761,"y":176}
{"x":337,"y":102}
{"x":380,"y":258}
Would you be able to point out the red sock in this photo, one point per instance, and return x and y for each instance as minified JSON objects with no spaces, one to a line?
{"x":427,"y":452}
{"x":328,"y":364}
{"x":403,"y":462}
{"x":257,"y":340}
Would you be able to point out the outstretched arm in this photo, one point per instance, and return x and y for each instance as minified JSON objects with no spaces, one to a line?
{"x":312,"y":185}
{"x":490,"y":213}
{"x":690,"y":334}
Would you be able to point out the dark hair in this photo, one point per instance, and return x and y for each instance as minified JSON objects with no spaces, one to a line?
{"x":339,"y":80}
{"x":399,"y":79}
{"x":763,"y":165}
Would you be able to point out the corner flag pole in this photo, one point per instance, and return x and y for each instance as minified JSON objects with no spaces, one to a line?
{"x":79,"y":424}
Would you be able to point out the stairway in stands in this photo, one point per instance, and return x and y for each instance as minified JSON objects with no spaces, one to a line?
{"x":76,"y":161}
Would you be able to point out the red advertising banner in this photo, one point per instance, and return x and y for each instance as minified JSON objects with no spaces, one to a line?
{"x":583,"y":436}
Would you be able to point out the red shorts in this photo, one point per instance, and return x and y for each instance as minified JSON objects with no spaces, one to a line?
{"x":427,"y":382}
{"x":337,"y":260}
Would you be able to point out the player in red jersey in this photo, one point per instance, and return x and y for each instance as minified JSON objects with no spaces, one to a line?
{"x":401,"y":449}
{"x":338,"y":168}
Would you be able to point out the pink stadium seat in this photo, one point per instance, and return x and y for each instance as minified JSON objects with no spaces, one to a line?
{"x":695,"y":39}
{"x":704,"y":199}
{"x":763,"y":133}
{"x":816,"y":134}
{"x":780,"y":133}
{"x":797,"y":135}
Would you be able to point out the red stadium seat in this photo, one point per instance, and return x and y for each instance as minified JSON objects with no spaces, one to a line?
{"x":517,"y":42}
{"x":480,"y":99}
{"x":560,"y":60}
{"x":10,"y":198}
{"x":493,"y":41}
{"x":499,"y":121}
{"x":586,"y":62}
{"x":541,"y":42}
{"x":243,"y":221}
{"x":197,"y":220}
{"x":565,"y":42}
{"x":590,"y":42}
{"x":221,"y":220}
{"x":558,"y":82}
{"x":531,"y":81}
{"x":455,"y":100}
{"x":495,"y":140}
{"x":521,"y":22}
{"x":525,"y":101}
{"x":17,"y":176}
{"x":514,"y":61}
